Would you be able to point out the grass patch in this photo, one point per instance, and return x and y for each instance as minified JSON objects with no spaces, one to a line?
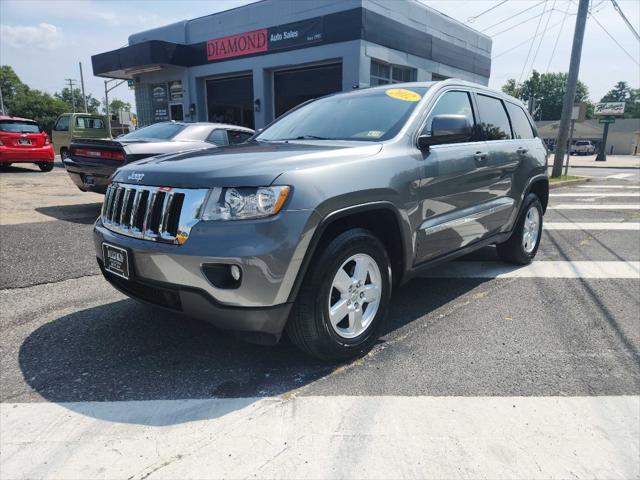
{"x":563,"y":178}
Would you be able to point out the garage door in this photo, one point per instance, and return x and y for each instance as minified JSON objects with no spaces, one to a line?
{"x":293,"y":87}
{"x":230,"y":100}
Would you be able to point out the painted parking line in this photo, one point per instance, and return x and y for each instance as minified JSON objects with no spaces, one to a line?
{"x":597,"y":195}
{"x":325,"y":437}
{"x":551,"y":269}
{"x":592,"y":226}
{"x":604,"y":206}
{"x":620,"y":176}
{"x":609,"y":186}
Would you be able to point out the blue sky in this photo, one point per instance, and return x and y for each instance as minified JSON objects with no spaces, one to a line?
{"x":44,"y":40}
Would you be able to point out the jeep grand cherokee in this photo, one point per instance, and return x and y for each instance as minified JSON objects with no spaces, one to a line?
{"x":309,"y":226}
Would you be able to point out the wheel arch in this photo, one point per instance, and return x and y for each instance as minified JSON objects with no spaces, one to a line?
{"x":540,"y":186}
{"x":381,"y":218}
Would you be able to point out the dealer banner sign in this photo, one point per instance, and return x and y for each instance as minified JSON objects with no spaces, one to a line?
{"x":609,"y":108}
{"x":266,"y":39}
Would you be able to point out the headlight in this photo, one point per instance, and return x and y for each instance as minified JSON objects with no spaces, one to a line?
{"x":244,"y":203}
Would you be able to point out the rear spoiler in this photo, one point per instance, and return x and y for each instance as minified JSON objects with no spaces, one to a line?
{"x":95,"y":142}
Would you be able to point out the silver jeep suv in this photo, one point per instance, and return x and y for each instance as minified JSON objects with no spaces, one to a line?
{"x":309,"y":226}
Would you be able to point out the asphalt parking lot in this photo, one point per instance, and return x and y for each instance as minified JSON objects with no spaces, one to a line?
{"x":484,"y":369}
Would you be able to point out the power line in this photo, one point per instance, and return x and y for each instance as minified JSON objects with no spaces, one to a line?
{"x":555,"y":45}
{"x":513,"y":16}
{"x":541,"y":38}
{"x":521,"y":23}
{"x":474,"y":18}
{"x":615,"y":41}
{"x":619,"y":10}
{"x":526,"y":62}
{"x":504,"y":52}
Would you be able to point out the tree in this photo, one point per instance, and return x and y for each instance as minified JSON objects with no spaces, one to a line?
{"x":65,"y":95}
{"x":37,"y":105}
{"x":621,"y":92}
{"x":548,"y":90}
{"x":116,"y":105}
{"x":22,"y":101}
{"x":10,"y":84}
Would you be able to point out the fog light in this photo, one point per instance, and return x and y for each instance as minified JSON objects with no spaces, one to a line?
{"x":223,"y":275}
{"x":235,"y":272}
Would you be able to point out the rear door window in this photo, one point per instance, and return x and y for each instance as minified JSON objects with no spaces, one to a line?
{"x":450,"y":103}
{"x":218,"y":137}
{"x":493,"y":118}
{"x":519,"y":122}
{"x":62,"y":125}
{"x":236,"y":136}
{"x":89,"y":122}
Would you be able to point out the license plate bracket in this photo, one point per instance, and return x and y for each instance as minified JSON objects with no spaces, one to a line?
{"x":116,"y":260}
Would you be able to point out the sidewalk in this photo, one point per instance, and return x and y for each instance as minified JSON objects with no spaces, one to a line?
{"x":613,"y":161}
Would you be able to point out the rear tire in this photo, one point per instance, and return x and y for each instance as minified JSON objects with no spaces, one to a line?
{"x":46,"y":166}
{"x":331,"y":319}
{"x":523,"y":244}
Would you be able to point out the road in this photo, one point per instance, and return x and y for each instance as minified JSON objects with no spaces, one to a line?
{"x":484,"y":370}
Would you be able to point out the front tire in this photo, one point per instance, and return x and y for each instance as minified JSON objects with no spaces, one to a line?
{"x":523,"y":244}
{"x":64,"y":153}
{"x":344,"y":298}
{"x":45,"y":166}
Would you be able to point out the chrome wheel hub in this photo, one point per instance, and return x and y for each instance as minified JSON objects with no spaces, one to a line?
{"x":355,"y":295}
{"x":531,"y":229}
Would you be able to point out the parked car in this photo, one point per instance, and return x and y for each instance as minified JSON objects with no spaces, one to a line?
{"x":23,"y":141}
{"x":309,"y":226}
{"x":70,"y":126}
{"x":583,"y":147}
{"x":92,"y":161}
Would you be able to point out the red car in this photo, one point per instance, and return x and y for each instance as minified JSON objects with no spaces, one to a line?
{"x":23,"y":141}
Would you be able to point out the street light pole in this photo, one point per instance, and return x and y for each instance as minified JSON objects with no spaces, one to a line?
{"x":572,"y":81}
{"x":107,"y":89}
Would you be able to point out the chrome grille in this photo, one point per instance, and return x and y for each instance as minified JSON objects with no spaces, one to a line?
{"x":161,"y":214}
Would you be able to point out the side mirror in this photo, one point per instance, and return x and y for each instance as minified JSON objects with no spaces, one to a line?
{"x":447,"y":129}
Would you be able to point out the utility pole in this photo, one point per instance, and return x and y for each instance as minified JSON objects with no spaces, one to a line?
{"x":572,"y":81}
{"x":84,"y":97}
{"x":73,"y":100}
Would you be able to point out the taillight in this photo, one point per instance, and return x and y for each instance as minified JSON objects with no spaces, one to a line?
{"x":46,"y":139}
{"x":104,"y":154}
{"x":1,"y":142}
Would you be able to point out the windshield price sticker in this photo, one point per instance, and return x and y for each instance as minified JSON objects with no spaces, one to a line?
{"x":403,"y":94}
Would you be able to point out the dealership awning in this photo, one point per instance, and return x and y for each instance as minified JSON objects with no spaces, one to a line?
{"x":140,"y":58}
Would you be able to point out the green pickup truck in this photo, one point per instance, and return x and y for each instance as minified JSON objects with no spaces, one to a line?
{"x":70,"y":126}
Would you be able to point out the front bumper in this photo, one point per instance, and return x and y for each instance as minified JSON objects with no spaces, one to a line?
{"x":268,"y":251}
{"x":90,"y":176}
{"x":27,"y":154}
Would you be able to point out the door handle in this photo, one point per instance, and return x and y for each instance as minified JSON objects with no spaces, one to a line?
{"x":522,"y":150}
{"x":480,"y":156}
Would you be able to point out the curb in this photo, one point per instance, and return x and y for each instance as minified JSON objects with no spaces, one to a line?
{"x":566,"y":183}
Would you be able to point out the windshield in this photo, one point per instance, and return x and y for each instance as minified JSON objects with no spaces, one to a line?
{"x":158,"y":131}
{"x":19,"y":126}
{"x":365,"y":116}
{"x":582,"y":143}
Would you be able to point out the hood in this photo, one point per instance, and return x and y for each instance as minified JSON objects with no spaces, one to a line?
{"x":247,"y":165}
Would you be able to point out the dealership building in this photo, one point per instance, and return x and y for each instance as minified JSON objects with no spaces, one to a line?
{"x":248,"y":65}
